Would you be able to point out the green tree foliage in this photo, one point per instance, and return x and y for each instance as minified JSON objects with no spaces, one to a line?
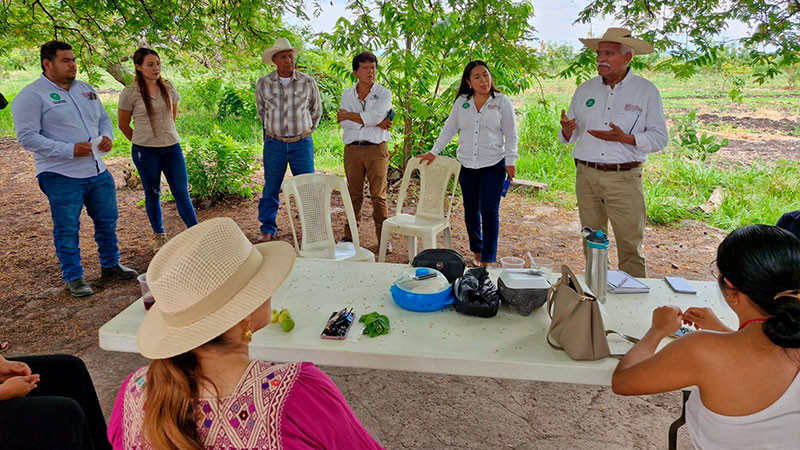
{"x":105,"y":33}
{"x":423,"y":46}
{"x":690,"y":29}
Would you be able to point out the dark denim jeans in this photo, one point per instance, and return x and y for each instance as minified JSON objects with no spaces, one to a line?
{"x":151,"y":162}
{"x":67,"y":197}
{"x":481,"y":189}
{"x":300,"y":157}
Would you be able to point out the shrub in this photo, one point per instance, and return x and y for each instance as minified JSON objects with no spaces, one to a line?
{"x":219,"y":167}
{"x":693,"y":145}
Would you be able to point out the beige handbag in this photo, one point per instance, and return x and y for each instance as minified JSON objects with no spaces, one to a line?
{"x":576,"y":324}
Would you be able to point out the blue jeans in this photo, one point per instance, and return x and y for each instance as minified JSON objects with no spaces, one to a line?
{"x":67,"y":197}
{"x":151,"y":162}
{"x":481,"y":189}
{"x":300,"y":157}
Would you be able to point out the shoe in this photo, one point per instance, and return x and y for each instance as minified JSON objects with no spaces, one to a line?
{"x":389,"y":248}
{"x":264,"y":237}
{"x":159,"y":239}
{"x":119,"y":272}
{"x":79,"y":288}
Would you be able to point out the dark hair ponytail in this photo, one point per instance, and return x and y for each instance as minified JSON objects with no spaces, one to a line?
{"x":783,"y":328}
{"x":138,"y":59}
{"x":763,"y":262}
{"x":464,"y":88}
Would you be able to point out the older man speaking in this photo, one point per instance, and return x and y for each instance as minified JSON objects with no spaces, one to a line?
{"x":615,"y":120}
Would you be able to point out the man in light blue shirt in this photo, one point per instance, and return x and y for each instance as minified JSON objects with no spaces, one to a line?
{"x":64,"y":124}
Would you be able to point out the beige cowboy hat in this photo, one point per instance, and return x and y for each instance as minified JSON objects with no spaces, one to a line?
{"x":282,"y":44}
{"x":206,"y":280}
{"x":622,"y":36}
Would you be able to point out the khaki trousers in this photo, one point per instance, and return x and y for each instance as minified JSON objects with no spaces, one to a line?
{"x":371,"y":161}
{"x":617,"y":196}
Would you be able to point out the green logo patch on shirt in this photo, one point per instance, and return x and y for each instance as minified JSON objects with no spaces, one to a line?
{"x":55,"y":96}
{"x":465,"y":105}
{"x":590,"y":102}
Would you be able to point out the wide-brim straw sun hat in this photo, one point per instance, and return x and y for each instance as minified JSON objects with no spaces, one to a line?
{"x":205,"y":280}
{"x":281,"y":45}
{"x":622,"y":36}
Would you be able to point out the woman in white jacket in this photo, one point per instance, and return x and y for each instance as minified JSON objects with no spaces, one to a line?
{"x":487,"y":151}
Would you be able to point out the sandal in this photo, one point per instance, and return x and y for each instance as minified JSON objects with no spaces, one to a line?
{"x":4,"y":343}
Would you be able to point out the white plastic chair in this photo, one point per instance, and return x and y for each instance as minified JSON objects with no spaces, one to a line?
{"x":430,"y":218}
{"x":312,"y":197}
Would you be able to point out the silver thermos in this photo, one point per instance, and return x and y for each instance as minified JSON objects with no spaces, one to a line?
{"x":596,"y":261}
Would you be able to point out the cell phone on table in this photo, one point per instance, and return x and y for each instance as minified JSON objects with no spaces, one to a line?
{"x":680,"y":285}
{"x":682,"y":331}
{"x":338,"y":324}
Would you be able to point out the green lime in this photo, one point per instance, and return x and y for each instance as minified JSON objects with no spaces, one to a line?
{"x":287,"y":324}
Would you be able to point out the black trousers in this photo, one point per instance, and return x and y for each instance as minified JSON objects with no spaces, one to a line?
{"x":61,"y":413}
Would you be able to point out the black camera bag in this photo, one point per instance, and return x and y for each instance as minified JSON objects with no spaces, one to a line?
{"x":445,"y":260}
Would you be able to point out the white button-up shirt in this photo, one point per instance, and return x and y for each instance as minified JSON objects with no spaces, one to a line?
{"x":485,"y":137}
{"x":50,"y":120}
{"x":373,"y":109}
{"x":634,"y":105}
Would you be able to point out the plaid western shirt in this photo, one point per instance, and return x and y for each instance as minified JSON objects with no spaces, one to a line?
{"x":290,"y":111}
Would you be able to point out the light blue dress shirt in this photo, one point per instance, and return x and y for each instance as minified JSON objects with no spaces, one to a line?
{"x":50,"y":120}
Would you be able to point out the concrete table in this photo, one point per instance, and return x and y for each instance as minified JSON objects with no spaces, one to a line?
{"x":505,"y":346}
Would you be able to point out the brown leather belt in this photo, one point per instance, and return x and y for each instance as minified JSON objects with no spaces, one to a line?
{"x":288,"y":139}
{"x":619,"y":167}
{"x":363,"y":143}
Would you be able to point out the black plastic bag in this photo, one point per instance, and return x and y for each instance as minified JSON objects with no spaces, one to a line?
{"x":475,"y":294}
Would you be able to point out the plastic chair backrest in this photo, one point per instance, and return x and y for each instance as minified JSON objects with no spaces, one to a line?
{"x":434,"y":180}
{"x":312,"y":196}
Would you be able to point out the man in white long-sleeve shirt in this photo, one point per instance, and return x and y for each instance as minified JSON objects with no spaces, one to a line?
{"x":363,"y":116}
{"x":615,"y":120}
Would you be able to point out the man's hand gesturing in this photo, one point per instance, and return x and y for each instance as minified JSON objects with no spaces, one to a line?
{"x":567,"y":125}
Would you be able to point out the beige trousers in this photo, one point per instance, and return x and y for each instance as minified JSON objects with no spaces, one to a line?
{"x":617,"y":196}
{"x":372,"y":162}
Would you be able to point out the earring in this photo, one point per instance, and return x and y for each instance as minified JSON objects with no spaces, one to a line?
{"x":730,"y":302}
{"x":247,"y":335}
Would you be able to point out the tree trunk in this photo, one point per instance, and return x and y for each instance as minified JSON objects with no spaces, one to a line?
{"x":408,"y":136}
{"x":119,"y":73}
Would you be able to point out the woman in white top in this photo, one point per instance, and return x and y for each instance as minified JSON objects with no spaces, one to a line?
{"x":487,"y":151}
{"x":745,"y":383}
{"x":152,"y":102}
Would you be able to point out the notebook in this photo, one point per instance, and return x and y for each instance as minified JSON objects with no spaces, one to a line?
{"x":619,"y":282}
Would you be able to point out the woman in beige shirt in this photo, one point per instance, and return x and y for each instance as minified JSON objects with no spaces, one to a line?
{"x":153,"y":104}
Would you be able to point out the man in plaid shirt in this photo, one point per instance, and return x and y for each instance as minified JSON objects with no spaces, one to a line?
{"x":289,"y":107}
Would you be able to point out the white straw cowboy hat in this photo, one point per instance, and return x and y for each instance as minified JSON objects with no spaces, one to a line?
{"x":205,"y":280}
{"x":282,"y":44}
{"x":622,"y":36}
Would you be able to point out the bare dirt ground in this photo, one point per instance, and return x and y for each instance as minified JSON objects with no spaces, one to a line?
{"x":758,"y":137}
{"x":401,"y":409}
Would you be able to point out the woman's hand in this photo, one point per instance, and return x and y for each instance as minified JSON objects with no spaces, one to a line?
{"x":427,"y":157}
{"x":666,"y":320}
{"x":10,"y":369}
{"x":511,"y":171}
{"x":704,"y":319}
{"x":16,"y":387}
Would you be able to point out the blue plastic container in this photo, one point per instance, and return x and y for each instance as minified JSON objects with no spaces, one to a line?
{"x":422,"y":278}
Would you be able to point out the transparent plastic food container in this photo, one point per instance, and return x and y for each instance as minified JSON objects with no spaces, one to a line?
{"x":421,"y":289}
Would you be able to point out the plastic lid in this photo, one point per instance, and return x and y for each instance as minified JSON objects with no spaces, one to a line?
{"x":524,"y":279}
{"x":597,"y":239}
{"x":421,"y":280}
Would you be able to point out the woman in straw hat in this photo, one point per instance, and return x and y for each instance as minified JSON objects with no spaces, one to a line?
{"x":745,"y":383}
{"x":202,"y":390}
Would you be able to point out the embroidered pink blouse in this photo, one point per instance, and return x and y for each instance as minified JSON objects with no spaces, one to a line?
{"x":275,"y":406}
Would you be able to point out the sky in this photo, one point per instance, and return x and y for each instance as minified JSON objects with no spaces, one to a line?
{"x":552,"y":21}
